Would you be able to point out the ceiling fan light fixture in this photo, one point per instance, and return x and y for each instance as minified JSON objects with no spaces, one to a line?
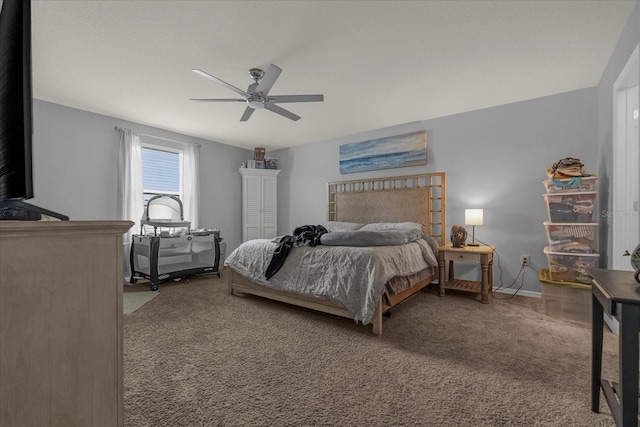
{"x":255,"y":101}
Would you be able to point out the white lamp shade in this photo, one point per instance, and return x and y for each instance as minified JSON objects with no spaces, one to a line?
{"x":473,"y":216}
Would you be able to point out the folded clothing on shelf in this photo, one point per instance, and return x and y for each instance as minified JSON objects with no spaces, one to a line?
{"x":566,"y":168}
{"x":571,"y":185}
{"x":571,"y":238}
{"x":568,"y":267}
{"x":571,"y":207}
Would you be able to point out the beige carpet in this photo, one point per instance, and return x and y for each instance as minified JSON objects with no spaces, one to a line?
{"x":200,"y":357}
{"x":132,"y":301}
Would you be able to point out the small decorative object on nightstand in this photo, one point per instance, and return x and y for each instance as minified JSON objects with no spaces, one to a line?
{"x":482,"y":255}
{"x":458,"y":236}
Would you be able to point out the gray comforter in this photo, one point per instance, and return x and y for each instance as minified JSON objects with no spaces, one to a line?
{"x":351,"y":276}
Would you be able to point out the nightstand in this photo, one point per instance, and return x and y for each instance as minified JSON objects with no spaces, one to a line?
{"x":482,"y":255}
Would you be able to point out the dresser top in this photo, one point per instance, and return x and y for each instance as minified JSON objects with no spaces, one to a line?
{"x":39,"y":228}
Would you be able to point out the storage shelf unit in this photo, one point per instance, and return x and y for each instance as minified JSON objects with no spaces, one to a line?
{"x":570,"y":228}
{"x":571,"y":233}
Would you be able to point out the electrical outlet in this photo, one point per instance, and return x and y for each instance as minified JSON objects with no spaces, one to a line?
{"x":524,"y":260}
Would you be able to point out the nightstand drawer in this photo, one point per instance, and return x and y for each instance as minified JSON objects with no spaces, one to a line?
{"x":462,"y":256}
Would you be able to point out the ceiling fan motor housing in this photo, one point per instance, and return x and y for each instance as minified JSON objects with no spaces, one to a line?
{"x":256,"y":74}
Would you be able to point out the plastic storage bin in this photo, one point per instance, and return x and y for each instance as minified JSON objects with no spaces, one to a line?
{"x":571,"y":238}
{"x":567,"y":267}
{"x":565,"y":300}
{"x":573,"y":185}
{"x":570,"y":207}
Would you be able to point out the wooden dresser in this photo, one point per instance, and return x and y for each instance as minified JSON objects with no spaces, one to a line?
{"x":61,"y":323}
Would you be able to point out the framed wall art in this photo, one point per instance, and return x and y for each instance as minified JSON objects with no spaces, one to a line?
{"x":398,"y":151}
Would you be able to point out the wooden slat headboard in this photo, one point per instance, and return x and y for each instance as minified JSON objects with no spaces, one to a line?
{"x":412,"y":198}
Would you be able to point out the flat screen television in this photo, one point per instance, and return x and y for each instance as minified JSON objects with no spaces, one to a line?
{"x":16,"y":117}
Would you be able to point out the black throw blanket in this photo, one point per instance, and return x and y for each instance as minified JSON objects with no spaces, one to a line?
{"x":304,"y":235}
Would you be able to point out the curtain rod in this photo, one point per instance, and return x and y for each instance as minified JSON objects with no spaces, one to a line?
{"x":160,"y":137}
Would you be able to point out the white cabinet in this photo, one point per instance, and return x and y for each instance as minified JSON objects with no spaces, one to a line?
{"x":259,"y":203}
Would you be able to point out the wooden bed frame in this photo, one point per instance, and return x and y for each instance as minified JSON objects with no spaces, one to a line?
{"x":414,"y":198}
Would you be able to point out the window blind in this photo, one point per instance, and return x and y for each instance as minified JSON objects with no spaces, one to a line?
{"x":160,"y":171}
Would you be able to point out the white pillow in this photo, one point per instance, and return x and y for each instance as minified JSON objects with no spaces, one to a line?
{"x":378,"y":226}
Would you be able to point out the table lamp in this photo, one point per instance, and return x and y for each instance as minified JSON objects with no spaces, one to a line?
{"x":473,"y":217}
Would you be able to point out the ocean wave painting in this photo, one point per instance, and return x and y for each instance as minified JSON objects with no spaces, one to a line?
{"x":397,"y":151}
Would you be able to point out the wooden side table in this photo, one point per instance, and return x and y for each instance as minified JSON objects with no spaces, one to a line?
{"x":482,"y":255}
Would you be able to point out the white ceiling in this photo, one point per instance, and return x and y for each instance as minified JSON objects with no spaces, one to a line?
{"x":378,"y":63}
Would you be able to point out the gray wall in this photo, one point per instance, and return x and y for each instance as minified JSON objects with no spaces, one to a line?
{"x":74,"y":168}
{"x":495,"y":159}
{"x":629,"y":38}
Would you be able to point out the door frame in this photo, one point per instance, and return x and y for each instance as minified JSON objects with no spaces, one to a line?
{"x":626,"y":158}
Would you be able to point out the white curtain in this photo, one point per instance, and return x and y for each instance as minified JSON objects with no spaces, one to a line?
{"x":129,"y":201}
{"x":191,"y":183}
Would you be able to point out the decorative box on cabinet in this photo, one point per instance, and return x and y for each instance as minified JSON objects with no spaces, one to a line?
{"x":61,"y":323}
{"x":259,"y":203}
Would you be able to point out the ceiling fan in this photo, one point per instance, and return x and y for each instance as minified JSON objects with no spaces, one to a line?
{"x":257,"y":94}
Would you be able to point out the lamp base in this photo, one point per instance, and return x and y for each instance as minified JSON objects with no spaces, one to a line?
{"x":473,"y":237}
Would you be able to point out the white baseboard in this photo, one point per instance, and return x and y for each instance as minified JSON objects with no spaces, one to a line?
{"x":612,"y":323}
{"x":520,"y":292}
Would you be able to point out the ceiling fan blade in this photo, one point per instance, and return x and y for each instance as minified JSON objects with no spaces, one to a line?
{"x":281,"y":111}
{"x":247,"y":113}
{"x":216,"y":100}
{"x":296,"y":98}
{"x":220,"y":82}
{"x":269,"y":78}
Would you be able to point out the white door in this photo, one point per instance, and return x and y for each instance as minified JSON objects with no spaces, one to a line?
{"x":626,"y":164}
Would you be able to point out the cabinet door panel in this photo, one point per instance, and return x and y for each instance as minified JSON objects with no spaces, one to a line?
{"x":252,"y":233}
{"x":269,"y":232}
{"x":269,"y":205}
{"x":252,"y":200}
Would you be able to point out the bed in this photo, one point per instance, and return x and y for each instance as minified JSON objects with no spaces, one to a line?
{"x":398,"y":203}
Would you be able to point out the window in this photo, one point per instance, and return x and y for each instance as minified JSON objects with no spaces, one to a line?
{"x":171,"y":167}
{"x":161,"y":171}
